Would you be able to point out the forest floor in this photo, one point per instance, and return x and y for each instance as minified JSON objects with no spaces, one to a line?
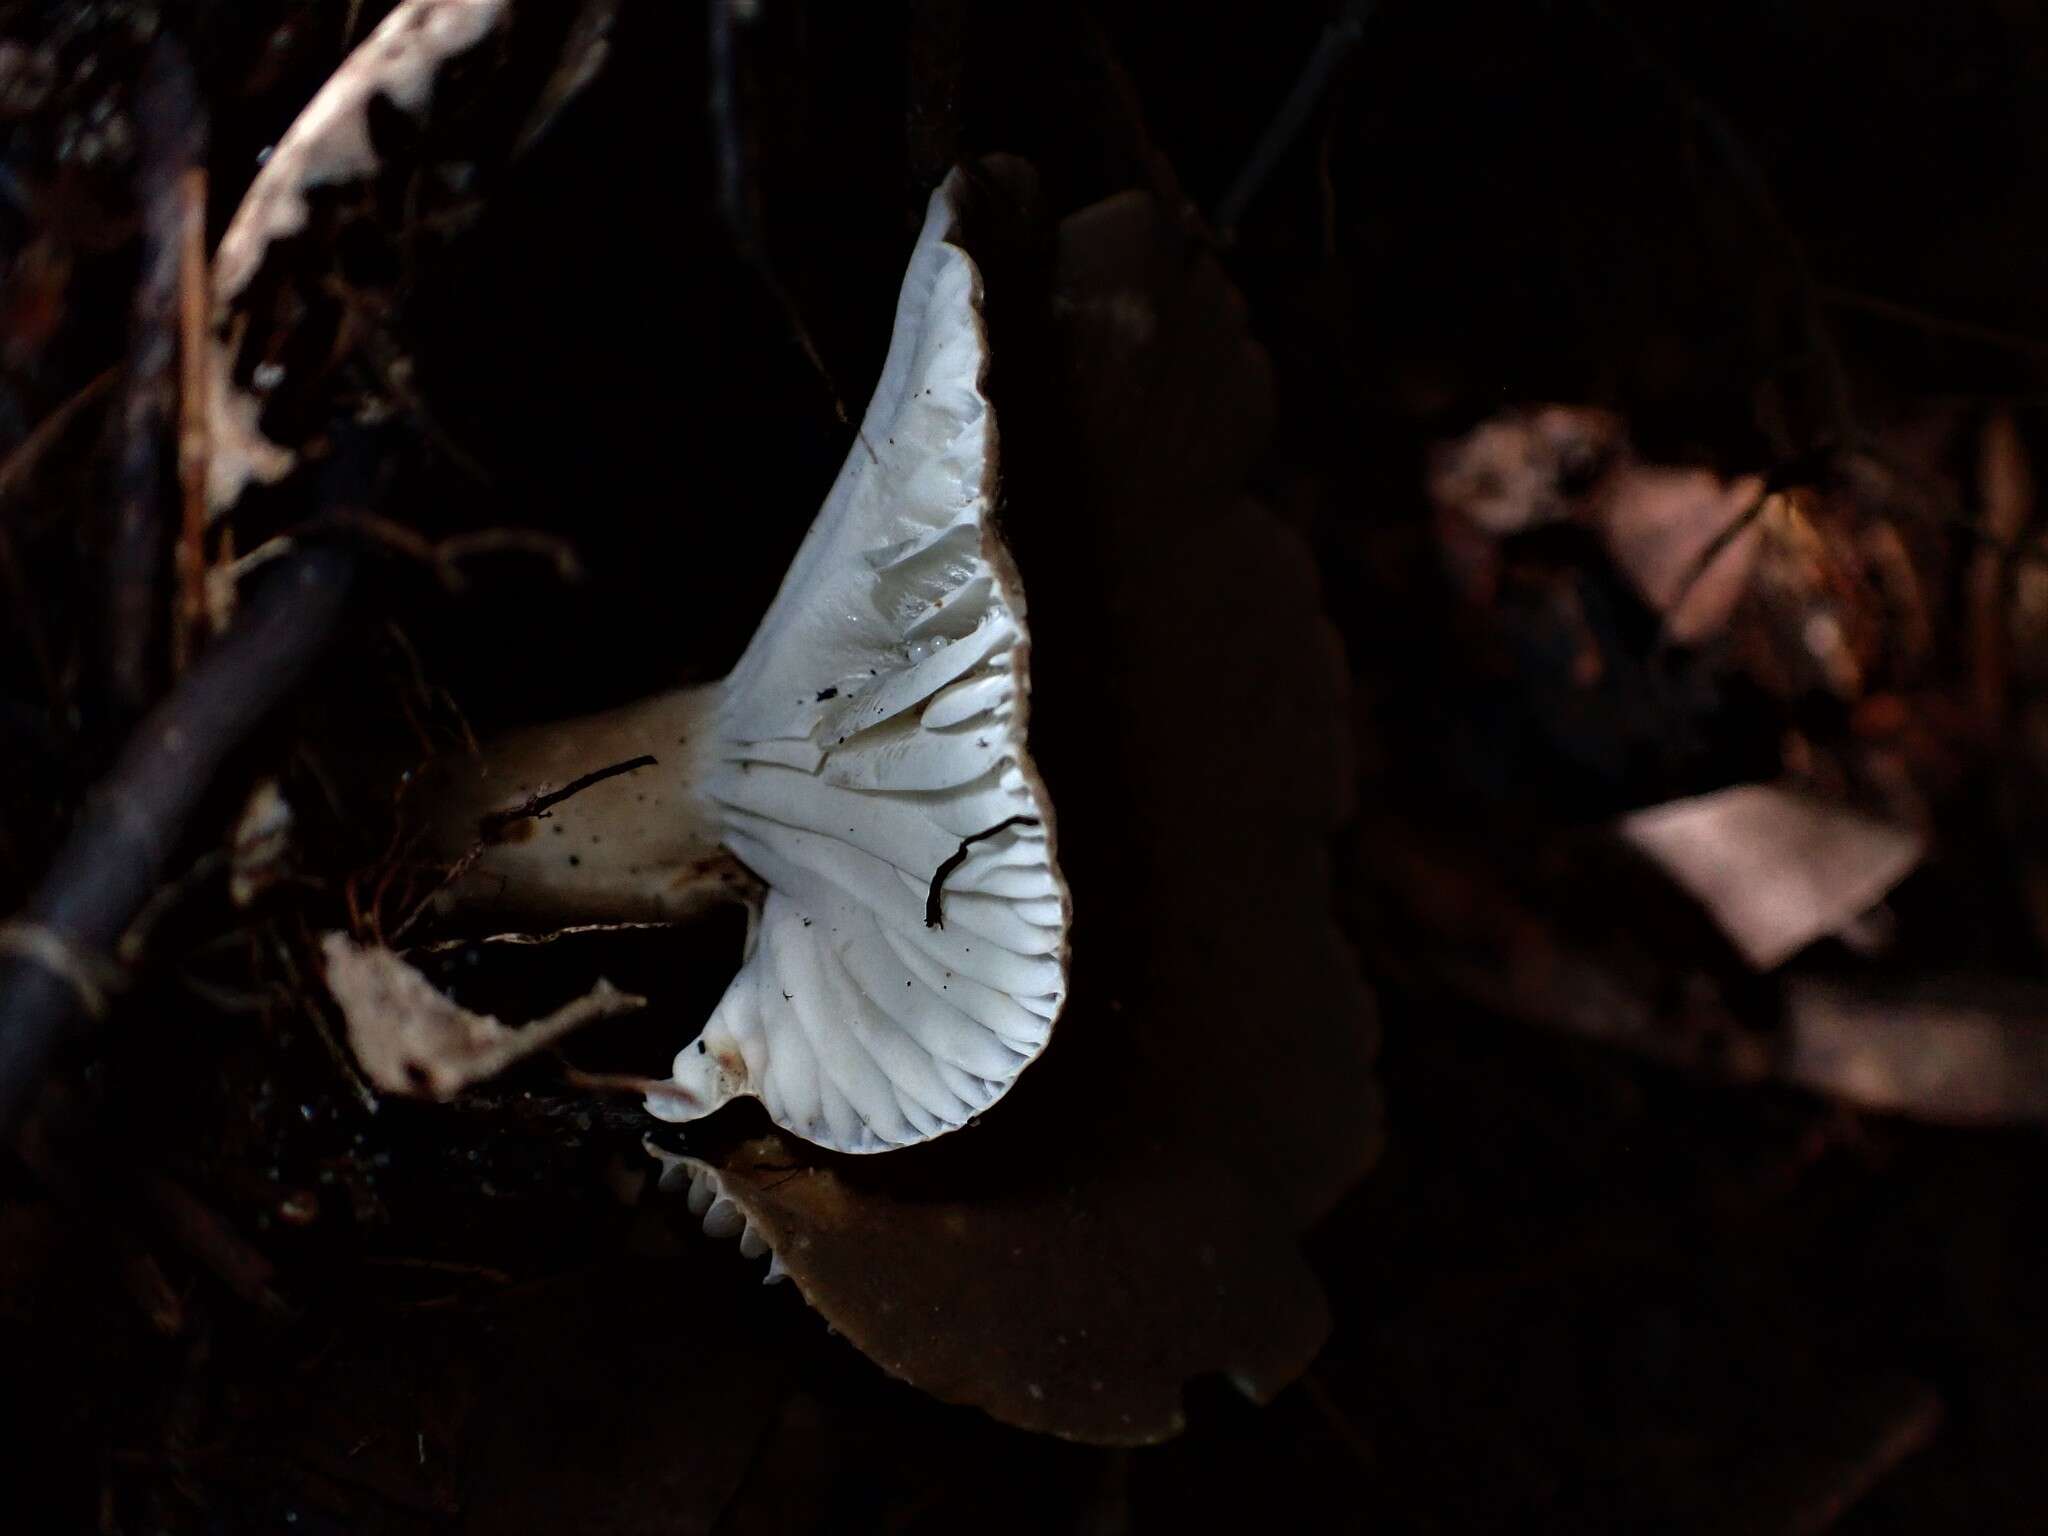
{"x":1659,"y":396}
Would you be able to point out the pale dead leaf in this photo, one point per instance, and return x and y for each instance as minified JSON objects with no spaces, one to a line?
{"x":1954,"y":1051}
{"x":1660,"y":524}
{"x":412,"y":1039}
{"x":1519,"y":470}
{"x":261,"y":849}
{"x":1777,"y":868}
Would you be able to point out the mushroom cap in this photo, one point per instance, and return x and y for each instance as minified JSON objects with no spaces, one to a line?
{"x":910,"y":957}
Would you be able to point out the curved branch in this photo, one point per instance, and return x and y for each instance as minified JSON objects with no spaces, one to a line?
{"x":57,"y":960}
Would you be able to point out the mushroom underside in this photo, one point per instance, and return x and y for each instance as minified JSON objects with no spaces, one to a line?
{"x":866,"y":761}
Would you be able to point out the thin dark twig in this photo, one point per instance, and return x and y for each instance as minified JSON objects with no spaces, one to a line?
{"x":529,"y":1110}
{"x":735,"y":187}
{"x":1802,"y":475}
{"x":195,"y":439}
{"x":932,"y":916}
{"x":935,"y":53}
{"x":584,"y":52}
{"x":538,"y":940}
{"x":61,"y":1177}
{"x":1348,"y":1435}
{"x":1743,"y":166}
{"x":209,"y":1238}
{"x":493,"y":826}
{"x":1724,"y":536}
{"x":55,"y":959}
{"x":1331,"y":50}
{"x":173,"y":123}
{"x":14,"y":583}
{"x":630,"y":1083}
{"x":445,"y":556}
{"x":1909,"y":1428}
{"x":15,"y":471}
{"x":440,"y":1267}
{"x":21,"y":463}
{"x":735,"y":199}
{"x":1936,"y":325}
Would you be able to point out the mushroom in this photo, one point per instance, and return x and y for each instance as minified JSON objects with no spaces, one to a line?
{"x":1128,"y":1220}
{"x":861,"y":778}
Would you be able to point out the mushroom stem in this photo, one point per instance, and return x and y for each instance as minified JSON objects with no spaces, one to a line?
{"x":633,"y":846}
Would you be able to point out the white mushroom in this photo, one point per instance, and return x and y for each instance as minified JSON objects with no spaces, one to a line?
{"x":865,"y":761}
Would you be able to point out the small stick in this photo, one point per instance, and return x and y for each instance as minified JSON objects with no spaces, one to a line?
{"x":1714,"y":548}
{"x":493,"y":826}
{"x":207,"y":1237}
{"x":932,"y":917}
{"x":19,"y":465}
{"x":1332,"y":49}
{"x":444,"y":558}
{"x":2005,"y":484}
{"x":1933,"y":324}
{"x":174,"y":139}
{"x":75,"y":1194}
{"x":194,"y":422}
{"x":584,"y":52}
{"x":15,"y":472}
{"x":736,"y":202}
{"x":631,"y":1083}
{"x":441,"y":1267}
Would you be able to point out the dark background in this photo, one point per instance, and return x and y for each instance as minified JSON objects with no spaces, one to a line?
{"x":1581,"y":1291}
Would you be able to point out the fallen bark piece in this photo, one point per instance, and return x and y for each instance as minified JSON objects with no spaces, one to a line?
{"x":59,"y":963}
{"x":412,"y":1039}
{"x":1776,"y":867}
{"x":329,"y":145}
{"x":464,"y":68}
